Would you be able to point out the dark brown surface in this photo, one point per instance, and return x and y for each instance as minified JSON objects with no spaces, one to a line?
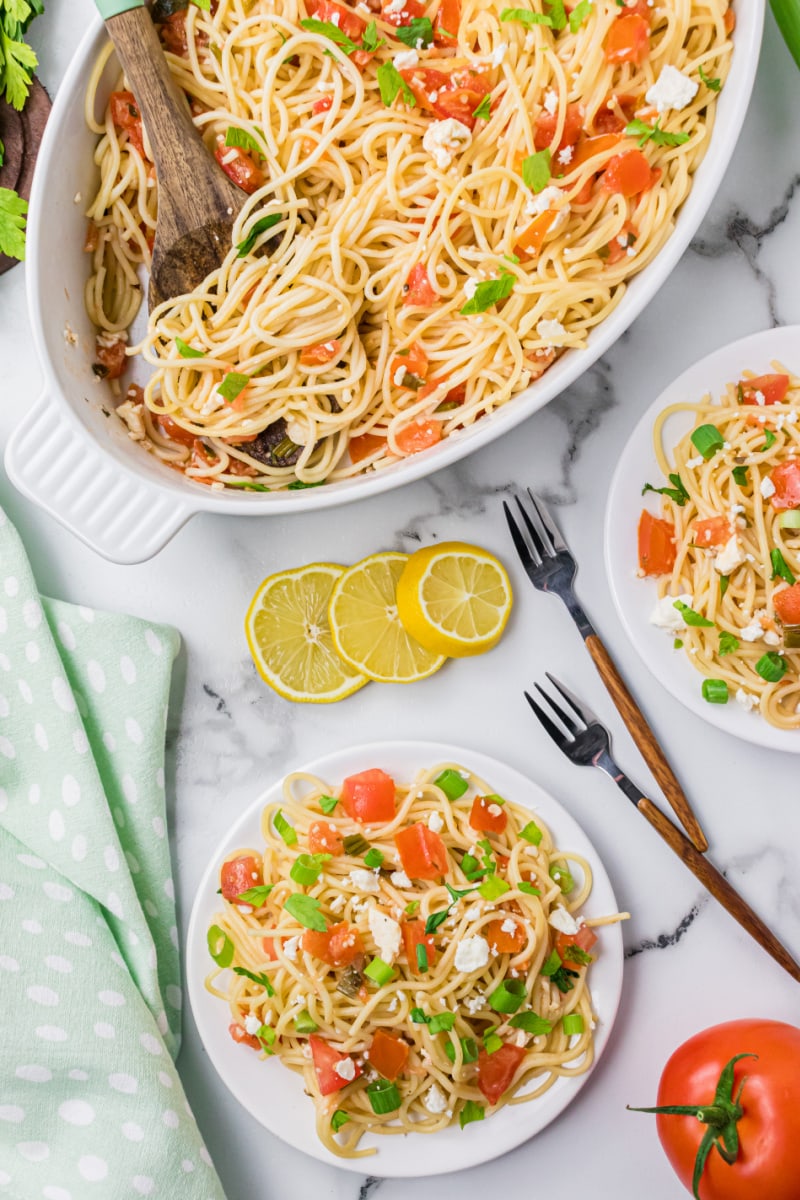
{"x":645,"y":739}
{"x":21,"y":134}
{"x":718,"y":886}
{"x":197,"y":203}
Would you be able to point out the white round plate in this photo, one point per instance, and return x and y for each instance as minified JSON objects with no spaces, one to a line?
{"x":274,"y":1095}
{"x":635,"y":597}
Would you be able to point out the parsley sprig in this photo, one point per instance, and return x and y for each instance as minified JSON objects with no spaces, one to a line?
{"x":654,"y":133}
{"x":17,"y":60}
{"x":677,"y":492}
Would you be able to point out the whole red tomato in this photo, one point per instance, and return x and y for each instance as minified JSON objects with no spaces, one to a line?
{"x":729,"y":1111}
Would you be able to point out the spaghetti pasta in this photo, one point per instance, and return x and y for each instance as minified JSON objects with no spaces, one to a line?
{"x":411,"y":950}
{"x":435,"y":215}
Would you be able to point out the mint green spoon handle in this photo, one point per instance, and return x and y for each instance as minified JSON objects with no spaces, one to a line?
{"x":112,"y":8}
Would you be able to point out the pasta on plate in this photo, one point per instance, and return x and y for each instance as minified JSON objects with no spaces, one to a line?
{"x":444,"y":197}
{"x":416,"y":951}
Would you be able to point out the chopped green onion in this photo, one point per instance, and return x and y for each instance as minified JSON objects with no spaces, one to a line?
{"x":525,"y":16}
{"x":379,"y":972}
{"x":383,"y":1096}
{"x":531,"y":833}
{"x":328,"y":804}
{"x":220,"y":946}
{"x":305,"y":1023}
{"x":551,"y":963}
{"x":493,"y":798}
{"x":187,"y":351}
{"x":530,"y":1023}
{"x":715,"y":691}
{"x":267,"y":1036}
{"x":489,"y":292}
{"x":509,"y":996}
{"x":728,"y":643}
{"x":790,"y":519}
{"x":572,"y":1023}
{"x":355,"y":844}
{"x":256,"y":895}
{"x":658,"y":136}
{"x":740,"y":476}
{"x":491,"y":1042}
{"x":306,"y":911}
{"x":493,"y":887}
{"x":575,"y":954}
{"x":452,"y":784}
{"x":724,"y":583}
{"x":435,"y":920}
{"x":579,"y":14}
{"x":419,"y":29}
{"x":536,"y":170}
{"x":677,"y":493}
{"x":373,"y":857}
{"x":707,"y":439}
{"x":771,"y":667}
{"x":691,"y":617}
{"x":419,"y":1017}
{"x":286,"y":831}
{"x":261,"y":980}
{"x":442,"y":1022}
{"x":769,"y":440}
{"x":560,"y":873}
{"x":411,"y":908}
{"x":713,"y":85}
{"x":470,"y":866}
{"x":307,"y":868}
{"x":232,"y":386}
{"x":676,"y":645}
{"x":528,"y":888}
{"x":422,"y":957}
{"x":339,"y":1118}
{"x":472,"y":1111}
{"x":469,"y":1050}
{"x":780,"y":567}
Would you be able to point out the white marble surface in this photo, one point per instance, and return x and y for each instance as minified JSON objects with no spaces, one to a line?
{"x":688,"y":965}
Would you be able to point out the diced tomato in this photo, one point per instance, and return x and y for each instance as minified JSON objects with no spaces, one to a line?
{"x":729,"y":20}
{"x":615,"y":113}
{"x":240,"y":874}
{"x":530,"y":241}
{"x":712,"y":531}
{"x":484,"y":819}
{"x":110,"y":360}
{"x":656,"y":544}
{"x":447,"y":21}
{"x":414,"y":361}
{"x":422,"y":852}
{"x":239,"y":166}
{"x":268,"y":945}
{"x":545,"y":128}
{"x":240,"y":1035}
{"x":321,"y":353}
{"x":496,"y":1071}
{"x":786,"y":478}
{"x":325,"y":838}
{"x":584,"y":939}
{"x":322,"y":105}
{"x":786,"y":603}
{"x":338,"y":946}
{"x":452,"y":398}
{"x":773,"y":389}
{"x":418,"y":291}
{"x":326,"y":1059}
{"x":414,"y":935}
{"x":173,"y":33}
{"x":629,"y":174}
{"x":364,"y":445}
{"x":456,"y":94}
{"x":628,"y":40}
{"x":592,"y":147}
{"x":410,"y":10}
{"x":369,"y":797}
{"x":174,"y":431}
{"x":501,"y":940}
{"x":126,"y":116}
{"x":349,"y":22}
{"x":417,"y":436}
{"x":388,"y":1054}
{"x":618,"y":246}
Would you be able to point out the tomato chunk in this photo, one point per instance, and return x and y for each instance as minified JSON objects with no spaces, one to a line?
{"x":338,"y":946}
{"x":504,"y":941}
{"x":410,"y":10}
{"x":414,"y":362}
{"x":628,"y":40}
{"x":457,"y":93}
{"x":615,"y":113}
{"x":388,"y":1054}
{"x":126,"y":117}
{"x":496,"y":1071}
{"x":322,"y":352}
{"x":269,"y":947}
{"x":787,"y":604}
{"x":531,"y":240}
{"x":240,"y":166}
{"x":712,"y":531}
{"x":422,"y":852}
{"x":240,"y":1035}
{"x":656,"y":544}
{"x":487,"y":815}
{"x":545,"y":128}
{"x":618,"y":246}
{"x":447,"y":22}
{"x":326,"y":1060}
{"x":110,"y":356}
{"x":322,"y":105}
{"x":174,"y":431}
{"x":773,"y":389}
{"x":786,"y":478}
{"x":419,"y":435}
{"x":369,"y":796}
{"x":629,"y":174}
{"x":584,"y":939}
{"x":418,"y":292}
{"x":325,"y":838}
{"x":349,"y":22}
{"x":240,"y":874}
{"x":364,"y":445}
{"x":414,"y":935}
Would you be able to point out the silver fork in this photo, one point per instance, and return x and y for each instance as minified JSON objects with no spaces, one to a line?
{"x":581,"y":736}
{"x":551,"y":567}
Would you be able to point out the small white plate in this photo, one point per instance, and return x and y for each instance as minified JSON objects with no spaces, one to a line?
{"x":635,"y":597}
{"x":274,"y":1095}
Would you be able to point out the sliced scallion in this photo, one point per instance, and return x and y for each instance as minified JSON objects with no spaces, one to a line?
{"x":411,"y":908}
{"x":509,"y":996}
{"x":305,"y":1023}
{"x":307,"y":868}
{"x":355,"y":844}
{"x":373,"y":857}
{"x":531,"y":833}
{"x":771,"y":667}
{"x":379,"y":972}
{"x":560,"y":873}
{"x":339,"y":1118}
{"x":383,"y":1096}
{"x":528,"y":888}
{"x":572,"y":1023}
{"x":442,"y":1022}
{"x":422,"y":957}
{"x":790,"y":519}
{"x":491,"y":1042}
{"x":451,"y":783}
{"x":493,"y":887}
{"x":715,"y":691}
{"x":286,"y":831}
{"x":707,"y":439}
{"x":220,"y":946}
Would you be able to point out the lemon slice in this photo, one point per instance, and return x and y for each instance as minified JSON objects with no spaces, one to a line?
{"x":454,"y":599}
{"x":366,"y":629}
{"x":289,"y":638}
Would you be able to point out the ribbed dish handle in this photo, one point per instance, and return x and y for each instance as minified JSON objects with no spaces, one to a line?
{"x":112,"y":8}
{"x":59,"y":469}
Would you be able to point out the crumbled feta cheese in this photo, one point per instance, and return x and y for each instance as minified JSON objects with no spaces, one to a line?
{"x":472,"y":954}
{"x":755,"y":630}
{"x":672,"y":89}
{"x":211,"y":405}
{"x":562,"y":920}
{"x":363,"y":880}
{"x":509,"y":926}
{"x":346,"y":1069}
{"x":474,"y":1004}
{"x":565,"y":155}
{"x":399,"y":376}
{"x":767,"y":487}
{"x":470,"y":288}
{"x":436,"y":823}
{"x":772,"y":638}
{"x":444,"y":138}
{"x":290,"y":947}
{"x":549,"y":199}
{"x":729,"y":557}
{"x":473,"y":912}
{"x":338,"y":903}
{"x":406,"y":59}
{"x":695,"y":462}
{"x":747,"y":700}
{"x":550,"y":331}
{"x":435,"y":1100}
{"x":666,"y":616}
{"x":498,"y":54}
{"x":252,"y":1024}
{"x":395,"y":6}
{"x":494,"y":810}
{"x":393,"y":1004}
{"x":400,"y":879}
{"x":759,"y":398}
{"x":296,"y":432}
{"x":385,"y":933}
{"x":550,"y":101}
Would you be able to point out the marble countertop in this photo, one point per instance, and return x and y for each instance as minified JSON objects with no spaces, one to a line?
{"x":688,"y":965}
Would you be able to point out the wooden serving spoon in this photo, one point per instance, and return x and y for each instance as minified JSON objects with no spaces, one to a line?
{"x":197,"y":203}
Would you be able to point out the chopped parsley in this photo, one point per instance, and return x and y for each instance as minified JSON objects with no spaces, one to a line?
{"x":489,"y":292}
{"x":579,"y":14}
{"x":728,"y":643}
{"x":713,"y":85}
{"x":654,"y":133}
{"x":691,"y":617}
{"x":419,"y":29}
{"x":260,"y":226}
{"x":676,"y":493}
{"x":261,"y":980}
{"x":536,"y":170}
{"x":484,"y":111}
{"x":769,"y":440}
{"x":390,"y":82}
{"x":243,"y":140}
{"x":233,"y":385}
{"x":256,"y":895}
{"x":780,"y":567}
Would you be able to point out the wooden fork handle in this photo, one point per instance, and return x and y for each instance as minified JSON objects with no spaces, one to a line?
{"x":645,"y":739}
{"x":716,"y":883}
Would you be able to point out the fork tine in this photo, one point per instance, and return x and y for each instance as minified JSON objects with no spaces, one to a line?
{"x":581,"y":710}
{"x":549,"y":524}
{"x":527,"y":558}
{"x":563,"y":716}
{"x":539,"y":543}
{"x":556,"y":734}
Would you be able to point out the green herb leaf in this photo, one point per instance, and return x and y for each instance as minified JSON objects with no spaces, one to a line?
{"x":328,"y":804}
{"x":267,"y":1036}
{"x":531,"y":833}
{"x":676,"y":493}
{"x":536,"y":170}
{"x":232,"y":386}
{"x":769,"y":441}
{"x":489,"y":292}
{"x":484,"y":111}
{"x":419,"y":29}
{"x":297,"y":485}
{"x":691,"y":617}
{"x":713,"y":85}
{"x":261,"y":980}
{"x":306,"y":911}
{"x":525,"y":17}
{"x":557,"y":13}
{"x":740,"y":476}
{"x":284,"y":829}
{"x":411,"y":908}
{"x":371,"y":41}
{"x":442,"y":1022}
{"x":472,"y":1111}
{"x":728,"y":643}
{"x":256,"y":895}
{"x":243,"y":140}
{"x":780,"y":567}
{"x":329,"y":30}
{"x":707,"y":439}
{"x":724,"y":581}
{"x":579,"y":14}
{"x":531,"y":1023}
{"x":373,"y":857}
{"x":13,"y":210}
{"x":456,"y":895}
{"x":715,"y":691}
{"x":187,"y":351}
{"x":575,"y":954}
{"x":560,"y":873}
{"x":220,"y":946}
{"x":339,"y":1118}
{"x":390,"y":82}
{"x":493,"y":888}
{"x":260,"y":226}
{"x":654,"y":133}
{"x":528,"y":888}
{"x":435,"y":920}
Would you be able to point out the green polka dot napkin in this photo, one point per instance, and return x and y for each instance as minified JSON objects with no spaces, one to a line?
{"x":91,"y":1105}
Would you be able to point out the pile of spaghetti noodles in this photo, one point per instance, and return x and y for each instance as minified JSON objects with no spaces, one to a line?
{"x":727,"y":547}
{"x":443,"y":197}
{"x":410,"y":949}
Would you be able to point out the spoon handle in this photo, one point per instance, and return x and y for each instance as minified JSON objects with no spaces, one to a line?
{"x":112,"y":8}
